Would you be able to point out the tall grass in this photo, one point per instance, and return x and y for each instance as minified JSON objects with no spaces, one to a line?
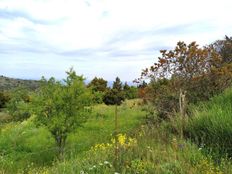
{"x":211,"y":124}
{"x":155,"y":151}
{"x":24,"y":146}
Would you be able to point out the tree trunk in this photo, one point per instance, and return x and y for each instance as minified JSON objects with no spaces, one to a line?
{"x":60,"y":141}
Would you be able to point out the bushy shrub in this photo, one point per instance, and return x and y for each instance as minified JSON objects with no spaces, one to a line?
{"x":201,"y":72}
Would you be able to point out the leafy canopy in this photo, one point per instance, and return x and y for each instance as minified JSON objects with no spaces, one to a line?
{"x":61,"y":106}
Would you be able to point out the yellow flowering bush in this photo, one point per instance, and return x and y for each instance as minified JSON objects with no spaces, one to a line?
{"x":125,"y":141}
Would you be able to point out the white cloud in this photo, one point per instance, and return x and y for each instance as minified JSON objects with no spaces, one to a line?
{"x":102,"y":37}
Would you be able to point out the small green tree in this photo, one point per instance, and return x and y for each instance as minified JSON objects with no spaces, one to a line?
{"x":61,"y":106}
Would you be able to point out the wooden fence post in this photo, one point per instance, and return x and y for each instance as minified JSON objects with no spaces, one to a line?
{"x":182,"y":105}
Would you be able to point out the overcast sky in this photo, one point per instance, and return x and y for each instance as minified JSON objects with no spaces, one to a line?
{"x":104,"y":38}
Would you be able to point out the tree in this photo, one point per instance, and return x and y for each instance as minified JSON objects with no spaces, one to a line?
{"x":98,"y":87}
{"x":61,"y":106}
{"x":117,"y":85}
{"x":199,"y":71}
{"x":115,"y":96}
{"x":224,"y":48}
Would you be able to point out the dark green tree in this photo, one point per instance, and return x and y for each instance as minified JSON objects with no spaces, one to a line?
{"x":126,"y":87}
{"x":98,"y":85}
{"x":117,"y":85}
{"x":116,"y":95}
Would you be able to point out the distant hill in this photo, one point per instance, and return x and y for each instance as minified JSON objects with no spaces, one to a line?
{"x":7,"y":83}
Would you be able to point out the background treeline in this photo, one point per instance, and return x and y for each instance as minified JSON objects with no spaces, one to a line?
{"x":105,"y":94}
{"x":16,"y":94}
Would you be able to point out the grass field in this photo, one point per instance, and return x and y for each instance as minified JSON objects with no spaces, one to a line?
{"x":142,"y":148}
{"x":23,"y":144}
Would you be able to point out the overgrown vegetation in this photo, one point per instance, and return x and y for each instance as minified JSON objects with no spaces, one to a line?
{"x":182,"y":126}
{"x":7,"y":83}
{"x":201,"y":72}
{"x":211,"y":125}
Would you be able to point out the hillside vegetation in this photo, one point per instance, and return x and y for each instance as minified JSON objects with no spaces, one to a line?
{"x":23,"y":146}
{"x":7,"y":83}
{"x":153,"y":147}
{"x":176,"y":121}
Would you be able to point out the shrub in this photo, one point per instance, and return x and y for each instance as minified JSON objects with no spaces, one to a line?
{"x":200,"y":72}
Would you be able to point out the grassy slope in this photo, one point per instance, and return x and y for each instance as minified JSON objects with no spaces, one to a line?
{"x":211,"y":125}
{"x":23,"y":145}
{"x":157,"y":150}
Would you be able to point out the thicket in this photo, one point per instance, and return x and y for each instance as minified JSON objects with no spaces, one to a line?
{"x":199,"y":73}
{"x":102,"y":93}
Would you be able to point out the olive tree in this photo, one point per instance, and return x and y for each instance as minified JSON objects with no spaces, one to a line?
{"x":61,"y":106}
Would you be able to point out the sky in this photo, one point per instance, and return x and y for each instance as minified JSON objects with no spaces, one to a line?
{"x":103,"y":38}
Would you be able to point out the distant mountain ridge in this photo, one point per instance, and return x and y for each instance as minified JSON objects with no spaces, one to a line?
{"x":7,"y":83}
